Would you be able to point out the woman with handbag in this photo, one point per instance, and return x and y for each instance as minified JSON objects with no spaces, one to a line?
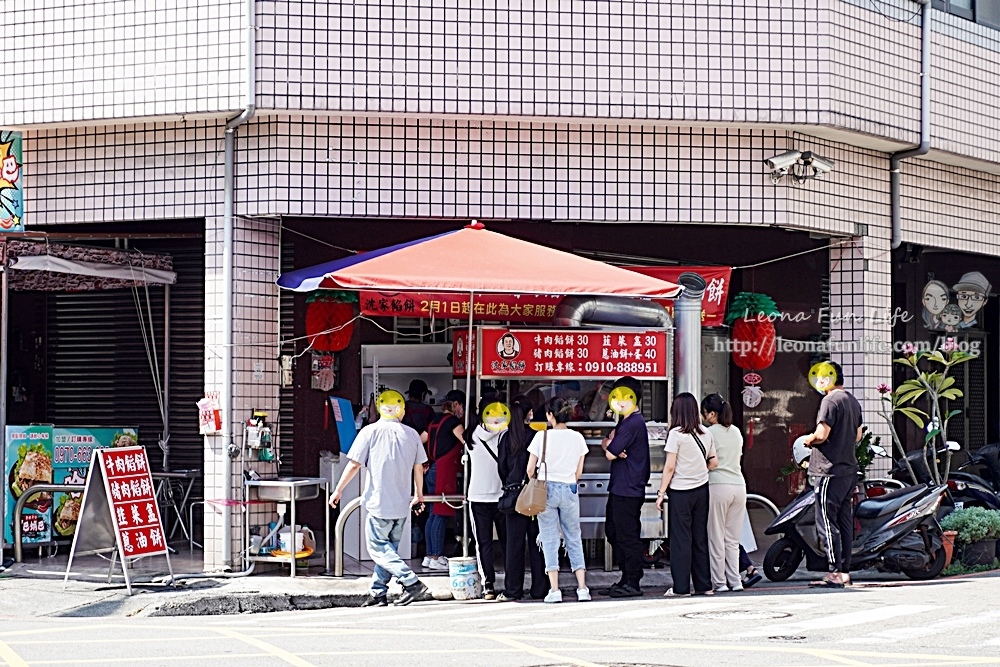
{"x":556,"y":458}
{"x":521,"y":530}
{"x":485,"y":487}
{"x":690,"y":456}
{"x":445,"y":442}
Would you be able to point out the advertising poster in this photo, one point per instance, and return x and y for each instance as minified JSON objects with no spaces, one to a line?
{"x":11,"y":183}
{"x":28,"y":458}
{"x":72,"y":449}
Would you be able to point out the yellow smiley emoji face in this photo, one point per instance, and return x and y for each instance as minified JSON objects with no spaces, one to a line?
{"x":391,"y":404}
{"x":496,"y":417}
{"x":822,"y":376}
{"x":622,"y":400}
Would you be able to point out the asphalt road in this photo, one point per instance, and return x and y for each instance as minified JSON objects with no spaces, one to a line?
{"x":948,"y":622}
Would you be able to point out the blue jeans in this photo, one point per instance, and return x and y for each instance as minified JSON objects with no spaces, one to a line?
{"x":382,"y":536}
{"x":562,"y":508}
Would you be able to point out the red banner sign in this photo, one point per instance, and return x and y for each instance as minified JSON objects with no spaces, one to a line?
{"x":495,"y":307}
{"x":572,"y":354}
{"x":713,"y":305}
{"x":132,"y":498}
{"x":459,"y":350}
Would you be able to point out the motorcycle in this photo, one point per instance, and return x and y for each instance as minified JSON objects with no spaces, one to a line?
{"x":965,"y":489}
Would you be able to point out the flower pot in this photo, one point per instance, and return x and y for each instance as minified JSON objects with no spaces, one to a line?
{"x":979,"y":553}
{"x":948,"y":542}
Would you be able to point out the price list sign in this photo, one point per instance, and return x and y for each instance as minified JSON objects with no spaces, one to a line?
{"x":123,"y":515}
{"x":569,"y":354}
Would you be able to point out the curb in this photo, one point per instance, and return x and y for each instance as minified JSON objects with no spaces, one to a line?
{"x":262,"y":603}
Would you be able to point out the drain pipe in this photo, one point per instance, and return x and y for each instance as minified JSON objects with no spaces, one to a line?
{"x":227,"y":266}
{"x":925,"y":123}
{"x":687,"y":320}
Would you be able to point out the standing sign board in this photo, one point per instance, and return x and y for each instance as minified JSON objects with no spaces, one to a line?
{"x":28,"y":458}
{"x":119,"y":510}
{"x":566,"y":354}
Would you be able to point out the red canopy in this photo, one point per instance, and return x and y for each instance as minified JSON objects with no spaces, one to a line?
{"x":474,"y":259}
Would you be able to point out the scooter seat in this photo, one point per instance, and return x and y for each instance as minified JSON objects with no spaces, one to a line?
{"x":872,"y":508}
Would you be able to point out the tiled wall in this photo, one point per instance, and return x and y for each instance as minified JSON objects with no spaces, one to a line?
{"x":69,"y":61}
{"x":749,"y":60}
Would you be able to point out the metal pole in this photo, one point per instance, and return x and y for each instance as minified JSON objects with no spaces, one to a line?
{"x":166,"y":378}
{"x":22,"y":501}
{"x":468,"y":401}
{"x":4,"y":342}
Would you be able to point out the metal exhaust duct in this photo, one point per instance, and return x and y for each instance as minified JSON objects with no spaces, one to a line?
{"x":574,"y":311}
{"x":687,"y":337}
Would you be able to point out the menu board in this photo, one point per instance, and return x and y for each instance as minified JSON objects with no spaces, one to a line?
{"x":131,"y":496}
{"x":572,"y":354}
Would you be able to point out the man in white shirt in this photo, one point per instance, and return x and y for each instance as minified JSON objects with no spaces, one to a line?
{"x":392,"y":452}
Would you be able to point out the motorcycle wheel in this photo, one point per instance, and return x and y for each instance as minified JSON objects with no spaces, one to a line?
{"x":782,"y":559}
{"x":931,"y":571}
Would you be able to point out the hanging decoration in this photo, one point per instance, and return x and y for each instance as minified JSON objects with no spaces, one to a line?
{"x":754,"y":341}
{"x":332,"y":312}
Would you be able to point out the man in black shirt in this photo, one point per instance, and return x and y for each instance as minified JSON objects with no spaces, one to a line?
{"x":418,"y":414}
{"x":833,"y":472}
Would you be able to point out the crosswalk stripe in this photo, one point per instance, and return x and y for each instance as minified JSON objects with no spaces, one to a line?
{"x":841,"y":620}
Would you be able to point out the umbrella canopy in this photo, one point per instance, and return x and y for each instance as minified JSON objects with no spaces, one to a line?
{"x":474,"y":259}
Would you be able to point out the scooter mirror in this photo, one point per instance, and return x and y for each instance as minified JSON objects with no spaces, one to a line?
{"x":953,"y":446}
{"x":877,"y":450}
{"x":538,"y":426}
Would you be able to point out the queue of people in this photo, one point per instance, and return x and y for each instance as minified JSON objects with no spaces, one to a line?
{"x":508,"y":447}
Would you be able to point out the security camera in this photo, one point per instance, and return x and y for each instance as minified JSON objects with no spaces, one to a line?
{"x":783,"y":162}
{"x":820,"y":164}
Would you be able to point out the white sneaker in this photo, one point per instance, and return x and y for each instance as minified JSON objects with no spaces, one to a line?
{"x":439,"y":563}
{"x":738,"y":588}
{"x":556,"y":596}
{"x":427,"y":562}
{"x":583,"y":595}
{"x":722,"y":589}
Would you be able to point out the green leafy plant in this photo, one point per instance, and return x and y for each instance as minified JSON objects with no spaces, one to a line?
{"x":930,"y":387}
{"x":958,"y":568}
{"x":973,"y":524}
{"x":863,"y":450}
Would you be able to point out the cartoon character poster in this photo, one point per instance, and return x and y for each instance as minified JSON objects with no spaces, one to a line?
{"x":956,"y":307}
{"x":11,"y":183}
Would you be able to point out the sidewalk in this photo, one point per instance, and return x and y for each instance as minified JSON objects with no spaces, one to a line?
{"x":35,"y":588}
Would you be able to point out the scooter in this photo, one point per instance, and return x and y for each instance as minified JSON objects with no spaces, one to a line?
{"x":965,"y":489}
{"x":896,"y":531}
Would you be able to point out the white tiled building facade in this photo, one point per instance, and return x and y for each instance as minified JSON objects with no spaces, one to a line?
{"x":565,"y":110}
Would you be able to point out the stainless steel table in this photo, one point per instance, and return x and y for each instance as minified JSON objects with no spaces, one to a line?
{"x":168,"y":499}
{"x":288,"y":490}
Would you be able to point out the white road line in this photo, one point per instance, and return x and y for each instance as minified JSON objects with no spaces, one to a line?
{"x":840,"y":620}
{"x":894,"y":635}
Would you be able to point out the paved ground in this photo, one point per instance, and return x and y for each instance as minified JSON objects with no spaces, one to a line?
{"x":947,"y":622}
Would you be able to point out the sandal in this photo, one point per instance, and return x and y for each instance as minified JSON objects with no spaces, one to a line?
{"x":826,"y":583}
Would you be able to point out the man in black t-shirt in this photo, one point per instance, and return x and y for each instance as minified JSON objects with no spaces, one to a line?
{"x":418,"y":414}
{"x":628,"y":450}
{"x":833,"y":472}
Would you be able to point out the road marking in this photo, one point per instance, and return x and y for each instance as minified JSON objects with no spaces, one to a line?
{"x":840,"y":620}
{"x":542,"y":653}
{"x":270,"y":649}
{"x":896,"y":635}
{"x":10,"y":656}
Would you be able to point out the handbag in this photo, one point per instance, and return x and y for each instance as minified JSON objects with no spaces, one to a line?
{"x":533,"y":497}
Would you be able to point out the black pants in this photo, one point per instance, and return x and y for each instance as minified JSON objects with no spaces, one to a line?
{"x":687,"y":518}
{"x":623,"y":527}
{"x":835,"y":519}
{"x":484,"y":517}
{"x":521,"y":531}
{"x":745,"y":562}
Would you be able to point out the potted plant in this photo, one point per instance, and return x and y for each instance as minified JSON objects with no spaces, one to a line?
{"x":977,"y":532}
{"x":931,"y":386}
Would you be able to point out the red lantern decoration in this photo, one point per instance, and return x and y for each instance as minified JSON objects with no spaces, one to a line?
{"x":754,"y":343}
{"x":329,"y":323}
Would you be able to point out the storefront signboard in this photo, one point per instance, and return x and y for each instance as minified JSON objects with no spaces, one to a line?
{"x":11,"y":183}
{"x":28,"y":458}
{"x":713,"y":313}
{"x":460,"y":353}
{"x":572,"y":354}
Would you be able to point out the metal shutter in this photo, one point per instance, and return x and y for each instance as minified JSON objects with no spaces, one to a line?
{"x":97,"y":370}
{"x":286,"y":395}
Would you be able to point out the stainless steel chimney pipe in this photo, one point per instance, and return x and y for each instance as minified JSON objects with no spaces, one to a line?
{"x":687,"y":324}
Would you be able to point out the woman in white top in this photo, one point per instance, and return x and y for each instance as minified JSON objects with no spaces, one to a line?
{"x":485,"y":490}
{"x":690,"y":456}
{"x":727,"y":494}
{"x":563,"y":451}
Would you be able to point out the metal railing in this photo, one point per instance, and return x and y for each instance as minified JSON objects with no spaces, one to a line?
{"x":349,"y":509}
{"x":23,"y":500}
